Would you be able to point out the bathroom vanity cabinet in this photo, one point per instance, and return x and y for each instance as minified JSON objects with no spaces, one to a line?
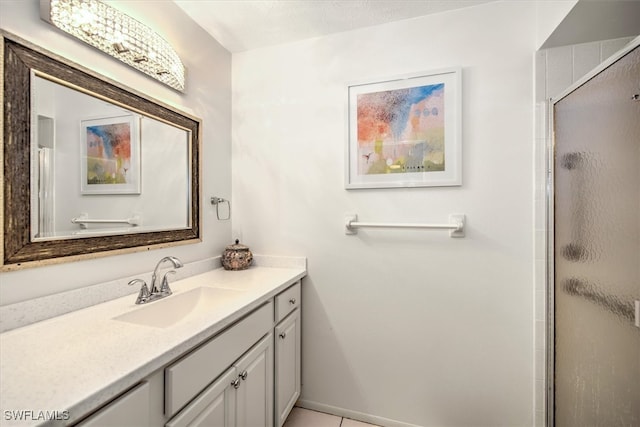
{"x":128,"y":409}
{"x":242,"y":396}
{"x":248,"y":374}
{"x":287,"y":353}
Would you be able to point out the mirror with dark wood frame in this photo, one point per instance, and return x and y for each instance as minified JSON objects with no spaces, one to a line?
{"x":25,"y":243}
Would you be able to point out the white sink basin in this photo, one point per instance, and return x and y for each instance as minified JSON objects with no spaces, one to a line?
{"x":174,"y":308}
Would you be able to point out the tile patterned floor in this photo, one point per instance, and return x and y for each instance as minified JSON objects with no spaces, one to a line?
{"x":300,"y":417}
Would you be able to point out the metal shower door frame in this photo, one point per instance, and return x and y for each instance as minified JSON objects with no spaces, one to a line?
{"x":550,"y":224}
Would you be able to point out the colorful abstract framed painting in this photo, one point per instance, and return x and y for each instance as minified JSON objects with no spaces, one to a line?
{"x":405,"y":131}
{"x":110,"y":155}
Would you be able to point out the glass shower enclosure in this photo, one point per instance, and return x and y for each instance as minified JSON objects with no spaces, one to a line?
{"x":596,"y":250}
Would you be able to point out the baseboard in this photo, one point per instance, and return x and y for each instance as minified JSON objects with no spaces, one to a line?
{"x":354,"y":415}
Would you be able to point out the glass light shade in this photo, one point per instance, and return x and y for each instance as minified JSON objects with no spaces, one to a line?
{"x":118,"y":35}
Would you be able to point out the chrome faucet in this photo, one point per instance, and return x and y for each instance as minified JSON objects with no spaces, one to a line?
{"x":164,"y":287}
{"x":145,"y":295}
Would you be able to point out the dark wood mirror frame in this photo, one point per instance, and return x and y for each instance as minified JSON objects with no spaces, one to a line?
{"x":18,"y":251}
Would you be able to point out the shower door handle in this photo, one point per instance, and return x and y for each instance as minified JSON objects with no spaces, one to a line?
{"x":637,"y":314}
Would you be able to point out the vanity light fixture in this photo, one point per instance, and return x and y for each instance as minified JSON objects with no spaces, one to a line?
{"x":118,"y":35}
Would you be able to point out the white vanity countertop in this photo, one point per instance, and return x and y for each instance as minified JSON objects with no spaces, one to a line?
{"x":83,"y":359}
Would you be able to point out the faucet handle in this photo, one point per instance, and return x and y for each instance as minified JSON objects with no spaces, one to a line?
{"x":164,"y":288}
{"x":144,"y":293}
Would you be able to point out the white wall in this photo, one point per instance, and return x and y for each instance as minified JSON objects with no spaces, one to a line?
{"x":207,"y":96}
{"x":410,"y":326}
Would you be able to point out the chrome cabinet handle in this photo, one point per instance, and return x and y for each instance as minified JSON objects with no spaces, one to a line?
{"x":244,"y":375}
{"x":292,"y":301}
{"x":236,"y":383}
{"x":283,"y":335}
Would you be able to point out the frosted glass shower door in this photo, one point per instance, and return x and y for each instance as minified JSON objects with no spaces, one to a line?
{"x":597,"y":250}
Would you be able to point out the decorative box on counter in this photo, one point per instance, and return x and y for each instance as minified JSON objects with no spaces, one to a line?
{"x":237,"y":257}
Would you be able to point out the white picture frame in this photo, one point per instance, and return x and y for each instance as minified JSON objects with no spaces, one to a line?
{"x":110,"y":155}
{"x":405,"y":131}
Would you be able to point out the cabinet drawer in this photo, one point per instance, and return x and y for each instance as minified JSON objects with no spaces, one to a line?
{"x":287,"y":301}
{"x":187,"y":377}
{"x":130,"y":409}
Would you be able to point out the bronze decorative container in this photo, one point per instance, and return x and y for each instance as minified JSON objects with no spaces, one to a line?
{"x":237,"y":257}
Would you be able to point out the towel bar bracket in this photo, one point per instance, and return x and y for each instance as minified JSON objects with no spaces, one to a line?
{"x":460,"y":220}
{"x":348,"y":220}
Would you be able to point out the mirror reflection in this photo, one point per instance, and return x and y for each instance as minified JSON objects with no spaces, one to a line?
{"x":99,"y":168}
{"x":90,"y":167}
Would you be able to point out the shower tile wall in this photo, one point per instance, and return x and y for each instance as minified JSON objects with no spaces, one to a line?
{"x":556,"y":70}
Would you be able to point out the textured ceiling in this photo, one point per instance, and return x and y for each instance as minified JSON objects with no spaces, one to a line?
{"x":241,"y":25}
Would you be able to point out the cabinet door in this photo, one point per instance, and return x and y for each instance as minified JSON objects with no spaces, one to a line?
{"x":214,"y":407}
{"x":130,"y":409}
{"x":254,"y":397}
{"x":287,"y":366}
{"x":190,"y":375}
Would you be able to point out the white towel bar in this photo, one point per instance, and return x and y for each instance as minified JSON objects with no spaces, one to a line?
{"x":84,"y":219}
{"x":455,"y":225}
